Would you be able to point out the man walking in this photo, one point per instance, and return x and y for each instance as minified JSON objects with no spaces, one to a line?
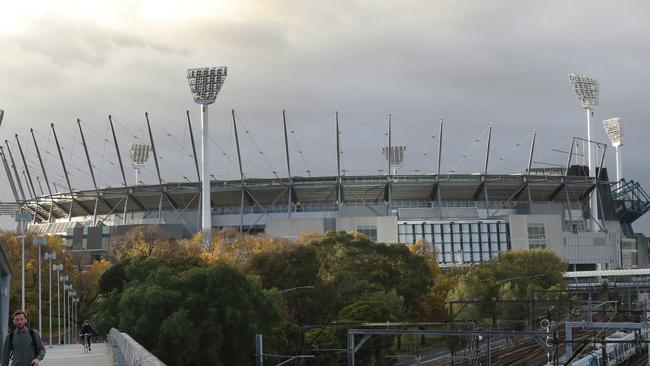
{"x":23,"y":345}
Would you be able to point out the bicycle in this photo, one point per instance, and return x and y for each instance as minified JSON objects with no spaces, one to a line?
{"x":85,"y":340}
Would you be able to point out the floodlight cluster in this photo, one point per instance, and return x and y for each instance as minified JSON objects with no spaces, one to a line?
{"x":614,"y":130}
{"x":395,"y":154}
{"x":205,"y":83}
{"x":139,"y":154}
{"x":586,"y":89}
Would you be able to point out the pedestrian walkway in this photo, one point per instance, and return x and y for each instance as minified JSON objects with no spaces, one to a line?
{"x":73,"y":355}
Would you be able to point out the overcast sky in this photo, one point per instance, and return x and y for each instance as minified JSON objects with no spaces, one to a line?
{"x":469,"y":62}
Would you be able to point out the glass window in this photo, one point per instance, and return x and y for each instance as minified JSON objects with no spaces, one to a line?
{"x":438,"y":248}
{"x":536,"y":236}
{"x":369,"y":230}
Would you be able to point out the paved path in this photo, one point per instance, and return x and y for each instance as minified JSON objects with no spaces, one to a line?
{"x":73,"y":355}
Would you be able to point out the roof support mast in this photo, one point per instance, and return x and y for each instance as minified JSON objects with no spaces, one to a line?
{"x":29,"y":176}
{"x":196,"y":163}
{"x":390,"y":160}
{"x":339,"y":192}
{"x":485,"y":172}
{"x":241,"y":174}
{"x":530,"y":164}
{"x":92,"y":173}
{"x":8,"y":171}
{"x":286,"y":147}
{"x":65,"y":171}
{"x":119,"y":159}
{"x":47,"y":182}
{"x":13,"y":165}
{"x":438,"y":193}
{"x":196,"y":159}
{"x":155,"y":159}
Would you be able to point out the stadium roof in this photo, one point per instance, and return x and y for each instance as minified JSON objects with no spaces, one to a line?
{"x":268,"y":192}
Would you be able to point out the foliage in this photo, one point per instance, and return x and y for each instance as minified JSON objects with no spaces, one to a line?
{"x":150,"y":241}
{"x":236,"y":248}
{"x":513,"y":276}
{"x":82,"y":275}
{"x":222,"y":306}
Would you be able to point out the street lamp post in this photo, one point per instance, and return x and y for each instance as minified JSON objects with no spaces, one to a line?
{"x":69,"y":314}
{"x":75,"y":301}
{"x":22,"y":217}
{"x":71,"y":295}
{"x":50,"y":256}
{"x":587,"y":90}
{"x":64,"y":279}
{"x":58,"y":268}
{"x":205,"y":84}
{"x":39,"y":241}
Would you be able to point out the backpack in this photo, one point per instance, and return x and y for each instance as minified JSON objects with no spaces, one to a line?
{"x":11,"y":343}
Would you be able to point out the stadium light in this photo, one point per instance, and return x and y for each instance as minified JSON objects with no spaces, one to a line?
{"x":614,"y":130}
{"x":587,"y":90}
{"x":395,"y":154}
{"x":139,"y":154}
{"x":205,"y":84}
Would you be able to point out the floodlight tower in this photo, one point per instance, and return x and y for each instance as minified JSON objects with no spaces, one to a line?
{"x":614,"y":130}
{"x":587,"y":90}
{"x":205,"y":84}
{"x":394,"y":155}
{"x":139,"y":154}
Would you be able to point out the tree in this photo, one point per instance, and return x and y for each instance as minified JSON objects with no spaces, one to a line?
{"x":161,"y":300}
{"x":356,"y":266}
{"x":150,"y":241}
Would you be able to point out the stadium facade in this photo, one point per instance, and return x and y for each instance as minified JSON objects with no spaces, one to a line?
{"x":465,"y":218}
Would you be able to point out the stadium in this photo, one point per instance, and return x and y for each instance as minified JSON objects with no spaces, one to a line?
{"x":466,"y":218}
{"x":572,"y":209}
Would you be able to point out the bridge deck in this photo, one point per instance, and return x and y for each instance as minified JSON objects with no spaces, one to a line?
{"x":72,"y":355}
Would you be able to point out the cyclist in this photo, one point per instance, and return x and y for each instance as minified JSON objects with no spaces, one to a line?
{"x":86,"y":331}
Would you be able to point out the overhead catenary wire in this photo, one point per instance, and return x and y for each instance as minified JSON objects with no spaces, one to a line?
{"x":259,"y":149}
{"x":469,"y":150}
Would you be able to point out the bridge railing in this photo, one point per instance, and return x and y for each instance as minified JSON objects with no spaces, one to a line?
{"x":128,"y":352}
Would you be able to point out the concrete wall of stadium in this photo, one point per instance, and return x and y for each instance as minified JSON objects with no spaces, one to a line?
{"x":571,"y":239}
